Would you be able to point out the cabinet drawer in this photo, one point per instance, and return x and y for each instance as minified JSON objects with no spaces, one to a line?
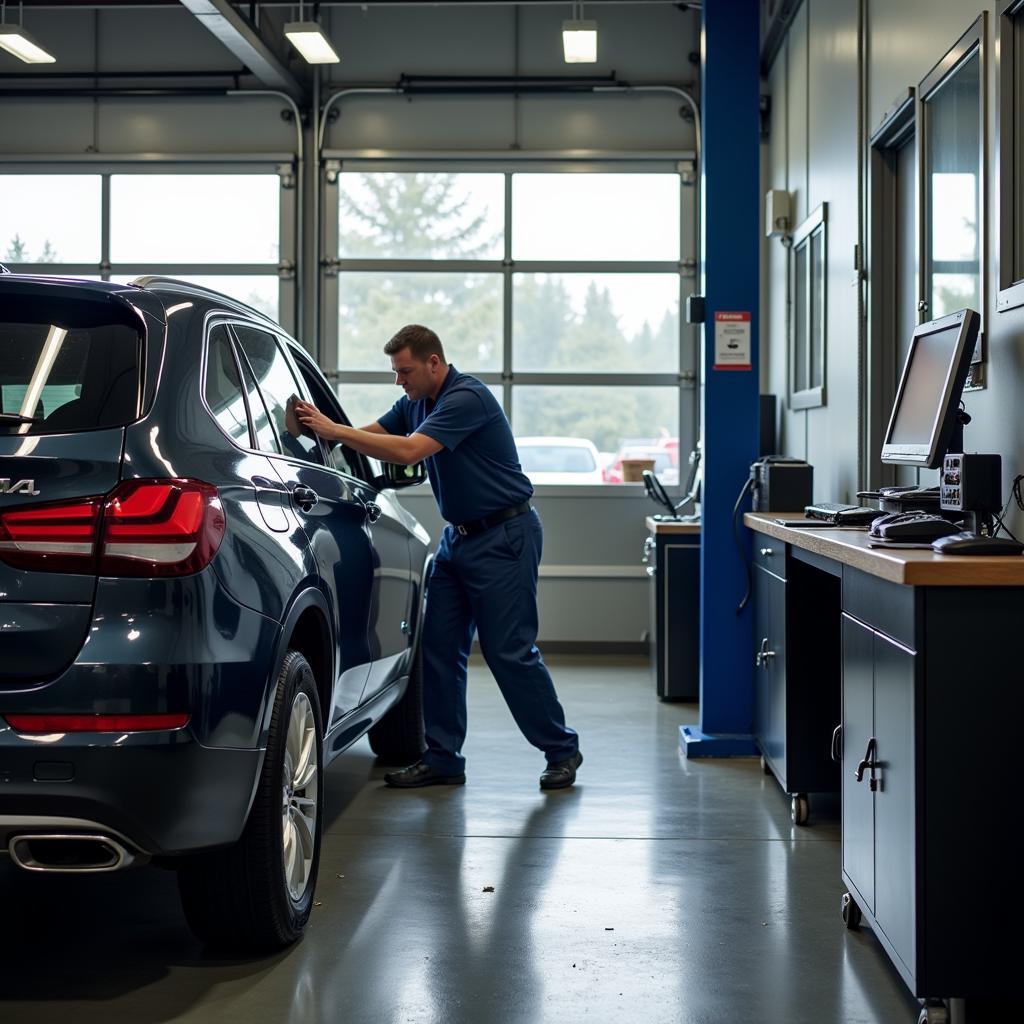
{"x":770,"y":554}
{"x":888,"y":607}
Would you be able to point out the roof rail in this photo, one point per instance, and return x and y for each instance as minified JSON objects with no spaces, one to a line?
{"x":151,"y":279}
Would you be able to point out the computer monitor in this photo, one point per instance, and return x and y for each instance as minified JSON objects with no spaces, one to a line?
{"x":926,"y":411}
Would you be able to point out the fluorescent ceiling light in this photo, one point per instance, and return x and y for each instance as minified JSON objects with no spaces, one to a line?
{"x":579,"y":41}
{"x":308,"y":38}
{"x":14,"y":39}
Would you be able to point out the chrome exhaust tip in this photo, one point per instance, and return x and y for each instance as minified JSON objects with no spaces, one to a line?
{"x":78,"y":853}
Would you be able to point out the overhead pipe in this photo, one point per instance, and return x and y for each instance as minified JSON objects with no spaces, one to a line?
{"x":300,"y":165}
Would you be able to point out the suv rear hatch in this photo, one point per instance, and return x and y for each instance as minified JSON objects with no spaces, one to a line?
{"x":71,"y":359}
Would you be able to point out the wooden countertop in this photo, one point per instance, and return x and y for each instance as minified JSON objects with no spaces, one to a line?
{"x":915,"y":567}
{"x":659,"y":526}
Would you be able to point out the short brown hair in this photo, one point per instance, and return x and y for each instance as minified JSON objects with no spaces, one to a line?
{"x":421,"y":342}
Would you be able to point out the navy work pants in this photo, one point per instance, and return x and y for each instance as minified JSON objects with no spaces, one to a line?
{"x":488,"y":582}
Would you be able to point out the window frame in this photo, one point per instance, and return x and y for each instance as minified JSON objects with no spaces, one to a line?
{"x":204,"y":372}
{"x":686,"y":379}
{"x":106,"y":167}
{"x":1010,"y":157}
{"x":813,"y":395}
{"x":973,"y":41}
{"x":897,"y":129}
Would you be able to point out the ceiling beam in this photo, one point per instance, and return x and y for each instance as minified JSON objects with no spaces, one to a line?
{"x":244,"y":41}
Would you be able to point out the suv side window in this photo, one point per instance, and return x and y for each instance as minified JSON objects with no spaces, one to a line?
{"x":277,"y":385}
{"x":341,"y":456}
{"x":223,"y":388}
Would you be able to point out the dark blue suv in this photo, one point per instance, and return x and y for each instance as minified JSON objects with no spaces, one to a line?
{"x":200,"y":604}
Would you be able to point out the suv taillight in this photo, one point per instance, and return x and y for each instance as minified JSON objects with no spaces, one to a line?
{"x":142,"y":528}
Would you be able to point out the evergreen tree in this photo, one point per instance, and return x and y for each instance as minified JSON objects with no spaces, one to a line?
{"x":16,"y":251}
{"x":416,"y":216}
{"x":49,"y":254}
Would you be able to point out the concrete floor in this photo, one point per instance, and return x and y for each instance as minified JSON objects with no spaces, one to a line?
{"x":656,"y":890}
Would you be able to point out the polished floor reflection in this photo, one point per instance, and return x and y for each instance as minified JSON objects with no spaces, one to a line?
{"x":656,"y":890}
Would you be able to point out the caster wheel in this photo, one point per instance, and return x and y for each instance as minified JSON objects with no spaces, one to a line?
{"x":851,"y":913}
{"x":800,"y":809}
{"x":937,"y":1014}
{"x":764,"y":766}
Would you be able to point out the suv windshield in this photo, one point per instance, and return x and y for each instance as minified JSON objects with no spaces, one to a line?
{"x":67,"y":366}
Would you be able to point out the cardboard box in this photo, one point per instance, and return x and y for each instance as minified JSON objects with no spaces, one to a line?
{"x":633,"y":469}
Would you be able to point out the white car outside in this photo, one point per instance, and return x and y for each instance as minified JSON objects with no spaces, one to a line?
{"x":559,"y":460}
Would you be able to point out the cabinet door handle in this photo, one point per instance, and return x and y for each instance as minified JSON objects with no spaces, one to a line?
{"x":766,"y":552}
{"x":837,"y":743}
{"x":868,"y":764}
{"x":763,"y":655}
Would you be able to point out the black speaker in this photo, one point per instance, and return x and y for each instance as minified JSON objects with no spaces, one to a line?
{"x":768,"y":444}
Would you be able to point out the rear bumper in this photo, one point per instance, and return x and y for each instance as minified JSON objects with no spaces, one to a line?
{"x":162,"y":793}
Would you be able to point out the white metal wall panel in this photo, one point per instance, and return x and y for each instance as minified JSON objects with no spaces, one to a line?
{"x":832,"y":156}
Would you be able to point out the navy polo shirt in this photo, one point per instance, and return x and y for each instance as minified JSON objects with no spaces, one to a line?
{"x":477,"y":472}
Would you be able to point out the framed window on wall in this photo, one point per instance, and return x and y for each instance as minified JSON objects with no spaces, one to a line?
{"x":808,"y":278}
{"x":1011,"y":156}
{"x":952,"y":185}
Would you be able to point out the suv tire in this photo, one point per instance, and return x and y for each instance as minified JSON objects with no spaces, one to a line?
{"x":397,"y":739}
{"x":256,"y":894}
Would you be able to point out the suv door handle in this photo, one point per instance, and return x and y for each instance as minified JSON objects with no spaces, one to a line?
{"x":373,"y":511}
{"x":305,"y":497}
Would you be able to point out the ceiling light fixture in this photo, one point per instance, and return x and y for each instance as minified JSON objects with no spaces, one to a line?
{"x":15,"y":40}
{"x":308,"y":38}
{"x":579,"y":38}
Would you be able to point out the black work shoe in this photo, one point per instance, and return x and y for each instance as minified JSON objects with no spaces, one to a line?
{"x":561,"y":773}
{"x":422,"y":774}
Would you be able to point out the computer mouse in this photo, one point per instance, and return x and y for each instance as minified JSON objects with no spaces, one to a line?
{"x":974,"y":544}
{"x":918,"y":528}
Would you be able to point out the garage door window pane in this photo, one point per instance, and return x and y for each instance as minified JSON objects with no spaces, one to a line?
{"x":259,"y":292}
{"x":464,"y":309}
{"x":622,"y":422}
{"x":595,"y":217}
{"x":50,"y":218}
{"x":425,"y":216}
{"x":195,"y":218}
{"x":581,"y":323}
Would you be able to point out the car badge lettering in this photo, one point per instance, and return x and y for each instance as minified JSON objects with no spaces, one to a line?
{"x":8,"y":486}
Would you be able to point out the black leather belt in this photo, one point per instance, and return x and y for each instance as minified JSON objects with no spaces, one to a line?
{"x":479,"y":525}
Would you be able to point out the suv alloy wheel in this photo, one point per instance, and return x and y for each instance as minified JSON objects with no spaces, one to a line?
{"x":258,"y":893}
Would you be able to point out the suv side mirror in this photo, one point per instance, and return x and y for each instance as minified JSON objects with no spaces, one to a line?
{"x":395,"y":476}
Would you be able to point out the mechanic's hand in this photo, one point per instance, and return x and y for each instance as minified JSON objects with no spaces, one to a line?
{"x":310,"y":416}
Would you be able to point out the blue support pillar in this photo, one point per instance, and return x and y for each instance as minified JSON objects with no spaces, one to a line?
{"x":730,"y":94}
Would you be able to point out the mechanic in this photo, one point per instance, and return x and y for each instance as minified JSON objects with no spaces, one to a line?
{"x":484,"y":574}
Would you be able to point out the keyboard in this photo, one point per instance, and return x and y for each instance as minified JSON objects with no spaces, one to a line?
{"x":842,"y":515}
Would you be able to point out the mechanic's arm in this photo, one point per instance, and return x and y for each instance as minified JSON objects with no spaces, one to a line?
{"x":374,"y":441}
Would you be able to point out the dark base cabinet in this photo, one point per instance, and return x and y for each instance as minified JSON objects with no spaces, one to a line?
{"x":931,"y":713}
{"x":797,"y":671}
{"x":673,"y":564}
